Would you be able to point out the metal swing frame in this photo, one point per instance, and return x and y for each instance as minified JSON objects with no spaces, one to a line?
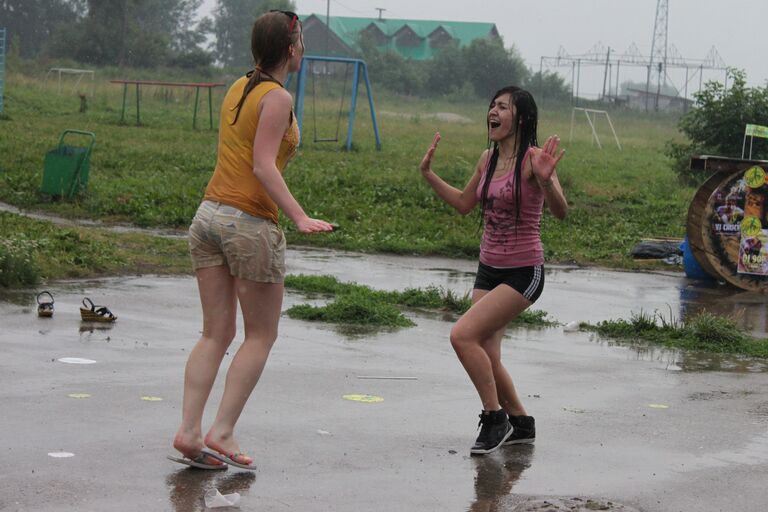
{"x":359,"y":68}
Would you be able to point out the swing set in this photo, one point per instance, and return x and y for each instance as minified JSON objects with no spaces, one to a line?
{"x":308,"y":64}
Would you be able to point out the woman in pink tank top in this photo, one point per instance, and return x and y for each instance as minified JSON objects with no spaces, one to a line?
{"x":512,"y":181}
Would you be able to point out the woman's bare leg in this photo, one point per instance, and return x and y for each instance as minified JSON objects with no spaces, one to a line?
{"x":261,"y":304}
{"x":218,"y":299}
{"x":489,"y":315}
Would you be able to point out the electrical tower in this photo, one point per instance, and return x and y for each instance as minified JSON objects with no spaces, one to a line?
{"x":658,"y":61}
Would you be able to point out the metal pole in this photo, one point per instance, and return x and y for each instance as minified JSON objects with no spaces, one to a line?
{"x":197,"y":99}
{"x":541,"y":80}
{"x":125,"y":93}
{"x":300,"y":82}
{"x":327,"y":27}
{"x":573,"y":80}
{"x":370,"y":105}
{"x":685,"y":94}
{"x":210,"y":107}
{"x":578,"y":79}
{"x":605,"y":74}
{"x":138,"y":121}
{"x":353,"y":104}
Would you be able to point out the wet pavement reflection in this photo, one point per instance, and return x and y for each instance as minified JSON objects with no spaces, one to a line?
{"x":186,"y":487}
{"x":497,"y":474}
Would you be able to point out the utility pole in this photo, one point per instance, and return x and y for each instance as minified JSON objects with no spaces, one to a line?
{"x":380,"y":11}
{"x":659,"y":48}
{"x":605,"y":75}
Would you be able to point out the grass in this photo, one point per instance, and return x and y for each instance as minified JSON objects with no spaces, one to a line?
{"x":154,"y":175}
{"x":362,"y":305}
{"x":32,"y":251}
{"x":704,"y":332}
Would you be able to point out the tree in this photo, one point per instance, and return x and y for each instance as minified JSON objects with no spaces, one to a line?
{"x":232,"y":24}
{"x":548,"y":86}
{"x":32,"y":22}
{"x":490,"y":66}
{"x":716,"y":124}
{"x":143,"y":33}
{"x":445,"y":71}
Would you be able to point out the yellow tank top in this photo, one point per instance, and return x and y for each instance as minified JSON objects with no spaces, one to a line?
{"x":233,"y":182}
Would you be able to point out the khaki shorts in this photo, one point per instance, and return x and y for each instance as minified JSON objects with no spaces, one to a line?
{"x":251,"y":247}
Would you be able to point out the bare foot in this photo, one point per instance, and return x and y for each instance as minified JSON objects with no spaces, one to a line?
{"x":190,"y":445}
{"x":226,"y":445}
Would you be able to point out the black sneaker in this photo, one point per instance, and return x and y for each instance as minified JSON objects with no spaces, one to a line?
{"x":494,"y":430}
{"x":523,"y":430}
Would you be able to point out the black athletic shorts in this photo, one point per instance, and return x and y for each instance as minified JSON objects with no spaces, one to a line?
{"x":529,"y":281}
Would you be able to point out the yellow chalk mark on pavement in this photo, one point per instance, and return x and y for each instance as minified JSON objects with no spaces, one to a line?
{"x":363,"y":398}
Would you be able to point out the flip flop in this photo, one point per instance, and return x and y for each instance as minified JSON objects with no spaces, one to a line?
{"x":228,"y":459}
{"x":197,"y":462}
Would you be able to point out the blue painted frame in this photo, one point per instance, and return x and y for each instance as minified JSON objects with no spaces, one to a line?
{"x":2,"y":69}
{"x":359,"y":68}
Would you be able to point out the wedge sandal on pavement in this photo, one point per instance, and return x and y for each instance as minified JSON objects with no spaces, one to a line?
{"x":93,"y":313}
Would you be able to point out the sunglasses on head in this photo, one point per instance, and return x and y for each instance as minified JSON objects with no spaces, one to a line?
{"x":294,"y":17}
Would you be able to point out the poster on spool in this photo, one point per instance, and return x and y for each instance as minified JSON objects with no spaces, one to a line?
{"x":753,"y":228}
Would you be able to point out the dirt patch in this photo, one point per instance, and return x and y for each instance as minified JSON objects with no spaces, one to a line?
{"x":576,"y":504}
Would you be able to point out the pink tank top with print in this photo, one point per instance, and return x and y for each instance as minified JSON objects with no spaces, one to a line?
{"x":509,"y":241}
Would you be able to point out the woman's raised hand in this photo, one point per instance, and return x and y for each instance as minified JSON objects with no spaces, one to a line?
{"x":426,"y":162}
{"x":545,"y":159}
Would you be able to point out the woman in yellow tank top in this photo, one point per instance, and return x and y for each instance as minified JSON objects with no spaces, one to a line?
{"x":236,"y":245}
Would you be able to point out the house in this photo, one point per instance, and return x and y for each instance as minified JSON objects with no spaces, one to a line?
{"x":413,"y":39}
{"x":639,"y":99}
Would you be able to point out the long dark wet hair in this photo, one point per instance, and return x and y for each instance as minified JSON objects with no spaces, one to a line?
{"x":526,"y":122}
{"x":271,"y":37}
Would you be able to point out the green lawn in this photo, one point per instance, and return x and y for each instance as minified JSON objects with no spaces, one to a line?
{"x":154,"y":175}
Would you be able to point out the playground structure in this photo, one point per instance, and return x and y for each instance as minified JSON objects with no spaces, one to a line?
{"x":358,"y":68}
{"x":79,"y":74}
{"x":727,"y":223}
{"x":197,"y":86}
{"x":592,"y":121}
{"x":2,"y":68}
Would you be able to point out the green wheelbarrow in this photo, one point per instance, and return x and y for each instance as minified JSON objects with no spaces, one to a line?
{"x":65,"y":171}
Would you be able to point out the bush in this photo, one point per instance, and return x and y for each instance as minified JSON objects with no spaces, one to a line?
{"x":716,"y":123}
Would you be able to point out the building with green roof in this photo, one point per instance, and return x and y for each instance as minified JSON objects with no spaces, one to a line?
{"x":413,"y":39}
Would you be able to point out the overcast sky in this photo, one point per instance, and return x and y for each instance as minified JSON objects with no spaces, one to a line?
{"x":538,"y":28}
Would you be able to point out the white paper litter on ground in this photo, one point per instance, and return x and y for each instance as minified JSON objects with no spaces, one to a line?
{"x":76,"y":360}
{"x":214,"y":499}
{"x":60,"y":455}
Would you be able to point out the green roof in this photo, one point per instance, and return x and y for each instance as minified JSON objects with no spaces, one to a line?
{"x":463,"y":32}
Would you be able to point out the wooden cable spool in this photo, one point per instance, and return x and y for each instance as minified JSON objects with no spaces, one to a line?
{"x":733,"y":227}
{"x":695,"y":219}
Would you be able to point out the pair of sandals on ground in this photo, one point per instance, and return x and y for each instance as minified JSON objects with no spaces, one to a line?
{"x":90,"y":312}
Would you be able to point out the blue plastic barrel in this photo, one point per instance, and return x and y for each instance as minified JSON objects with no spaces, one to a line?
{"x":690,"y":265}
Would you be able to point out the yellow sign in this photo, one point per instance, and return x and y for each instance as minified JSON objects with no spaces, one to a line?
{"x":755,"y":177}
{"x":755,"y":130}
{"x":363,"y":398}
{"x":751,"y":226}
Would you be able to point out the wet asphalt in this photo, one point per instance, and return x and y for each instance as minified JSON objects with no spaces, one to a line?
{"x":618,"y":427}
